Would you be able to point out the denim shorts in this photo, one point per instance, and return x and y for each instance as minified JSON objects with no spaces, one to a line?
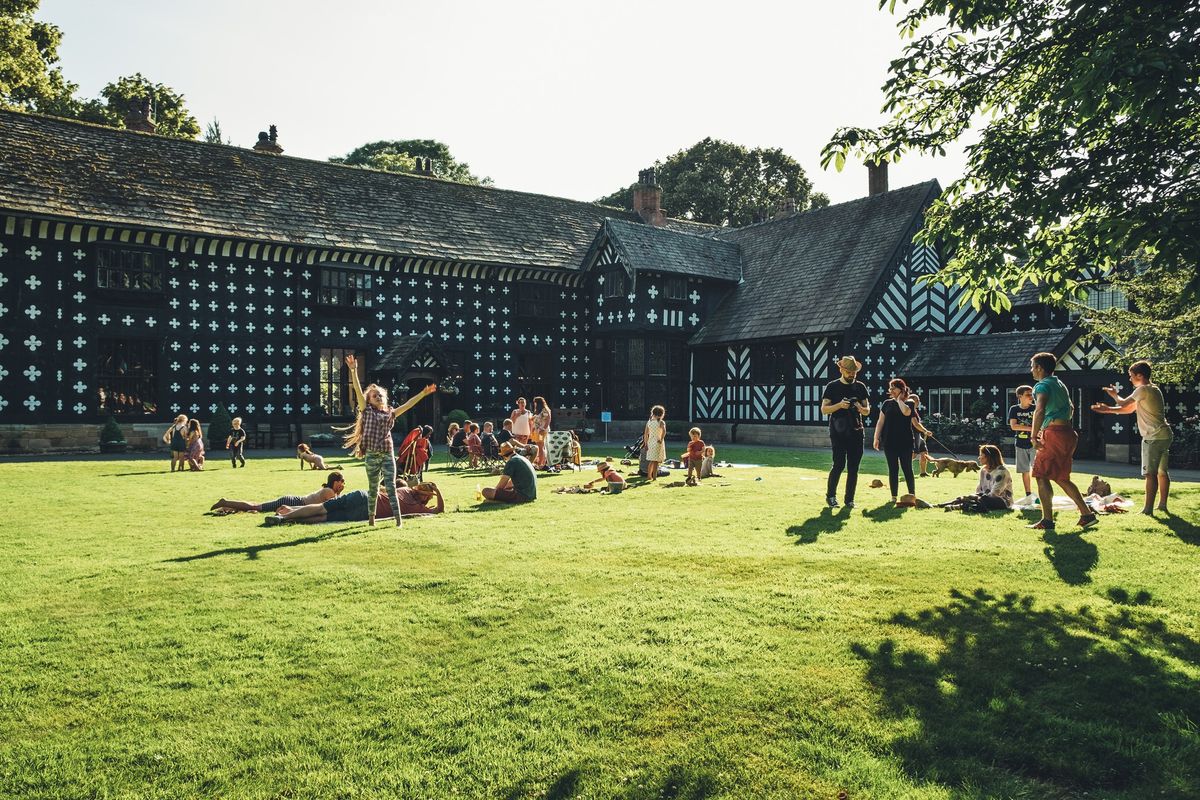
{"x":348,"y":507}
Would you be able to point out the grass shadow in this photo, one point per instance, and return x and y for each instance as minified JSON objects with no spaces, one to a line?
{"x":1072,"y":556}
{"x":164,"y":471}
{"x":883,"y":513}
{"x":251,"y":551}
{"x":827,"y":521}
{"x":1017,"y":700}
{"x":1184,"y":530}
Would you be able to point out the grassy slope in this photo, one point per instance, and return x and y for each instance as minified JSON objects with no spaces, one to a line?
{"x":733,"y":640}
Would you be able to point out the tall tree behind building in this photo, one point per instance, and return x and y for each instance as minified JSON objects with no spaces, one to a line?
{"x":30,"y":79}
{"x":1087,"y":118}
{"x":722,"y":183}
{"x":400,"y":155}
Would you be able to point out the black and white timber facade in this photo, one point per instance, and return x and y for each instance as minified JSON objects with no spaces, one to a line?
{"x":145,"y":276}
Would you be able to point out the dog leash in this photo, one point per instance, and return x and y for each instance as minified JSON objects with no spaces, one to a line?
{"x":934,"y":439}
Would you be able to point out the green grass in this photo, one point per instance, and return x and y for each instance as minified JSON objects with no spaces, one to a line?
{"x":734,"y":640}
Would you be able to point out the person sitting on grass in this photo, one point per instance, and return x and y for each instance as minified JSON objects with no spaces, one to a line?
{"x":694,"y":457}
{"x":706,"y":466}
{"x":610,"y":476}
{"x":518,"y":483}
{"x":355,"y":506}
{"x":994,"y":491}
{"x":334,"y":485}
{"x":307,"y":456}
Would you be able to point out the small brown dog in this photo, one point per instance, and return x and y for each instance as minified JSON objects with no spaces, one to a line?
{"x":953,"y":466}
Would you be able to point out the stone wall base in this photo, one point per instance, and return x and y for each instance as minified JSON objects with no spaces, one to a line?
{"x":140,"y":438}
{"x":625,"y":431}
{"x":1117,"y":452}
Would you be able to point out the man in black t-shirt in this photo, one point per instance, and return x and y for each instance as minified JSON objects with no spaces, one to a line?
{"x":845,"y":402}
{"x":1020,"y":421}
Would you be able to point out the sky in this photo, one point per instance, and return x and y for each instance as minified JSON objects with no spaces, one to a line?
{"x":560,"y":98}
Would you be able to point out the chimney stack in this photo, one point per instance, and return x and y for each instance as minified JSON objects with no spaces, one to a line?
{"x":425,"y":167}
{"x":785,"y":209}
{"x":647,"y":198}
{"x":140,"y":115}
{"x":877,"y":179}
{"x":269,"y":142}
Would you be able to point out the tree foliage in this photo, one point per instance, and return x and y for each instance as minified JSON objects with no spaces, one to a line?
{"x":171,"y":117}
{"x":29,"y":79}
{"x":213,"y":133}
{"x":722,"y":183}
{"x":1087,"y":124}
{"x":401,"y":156}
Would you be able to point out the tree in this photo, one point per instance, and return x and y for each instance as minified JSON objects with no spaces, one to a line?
{"x":213,"y":133}
{"x":401,"y":156}
{"x":726,"y":184}
{"x":171,"y":117}
{"x":29,"y":81}
{"x":1087,"y":118}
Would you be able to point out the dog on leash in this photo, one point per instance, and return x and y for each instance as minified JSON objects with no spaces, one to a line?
{"x":953,"y":466}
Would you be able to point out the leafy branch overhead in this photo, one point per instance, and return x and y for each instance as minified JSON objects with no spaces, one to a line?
{"x":726,"y":184}
{"x":1086,"y":137}
{"x":401,"y":156}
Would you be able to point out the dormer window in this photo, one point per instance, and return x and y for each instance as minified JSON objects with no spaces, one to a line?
{"x":616,"y":283}
{"x":674,"y":288}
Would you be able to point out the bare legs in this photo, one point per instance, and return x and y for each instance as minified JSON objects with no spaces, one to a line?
{"x":1157,"y":486}
{"x":234,"y":505}
{"x":1046,"y":497}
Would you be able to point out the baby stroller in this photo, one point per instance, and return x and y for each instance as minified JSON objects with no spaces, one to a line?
{"x":635,"y":450}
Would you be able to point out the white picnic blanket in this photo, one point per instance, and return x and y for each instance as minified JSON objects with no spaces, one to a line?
{"x":1064,"y":503}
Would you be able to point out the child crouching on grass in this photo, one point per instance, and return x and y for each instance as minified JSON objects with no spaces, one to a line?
{"x":307,"y":456}
{"x":994,"y":492}
{"x":694,"y":457}
{"x":610,"y":476}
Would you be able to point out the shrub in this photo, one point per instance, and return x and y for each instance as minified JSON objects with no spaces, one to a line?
{"x":457,"y":415}
{"x":219,"y":427}
{"x":1185,"y":450}
{"x":111,"y":432}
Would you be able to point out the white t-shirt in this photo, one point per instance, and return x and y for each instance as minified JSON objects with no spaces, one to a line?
{"x":996,"y":482}
{"x":521,"y":423}
{"x":1151,"y":413}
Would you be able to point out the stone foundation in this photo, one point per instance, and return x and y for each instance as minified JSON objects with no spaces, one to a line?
{"x":625,"y":431}
{"x":140,"y":437}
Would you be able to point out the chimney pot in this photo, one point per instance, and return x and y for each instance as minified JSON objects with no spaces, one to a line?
{"x":268,"y":141}
{"x":140,"y":115}
{"x":647,"y":198}
{"x":877,"y":177}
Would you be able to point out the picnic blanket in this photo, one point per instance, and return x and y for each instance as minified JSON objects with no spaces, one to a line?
{"x":1108,"y":504}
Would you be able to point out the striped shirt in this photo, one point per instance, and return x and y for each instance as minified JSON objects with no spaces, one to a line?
{"x":377,"y":430}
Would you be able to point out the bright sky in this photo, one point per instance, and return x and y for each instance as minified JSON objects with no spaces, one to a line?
{"x":562,"y":98}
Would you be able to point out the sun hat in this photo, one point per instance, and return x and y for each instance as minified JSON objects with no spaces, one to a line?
{"x":507,"y":449}
{"x":907,"y":501}
{"x":849,"y":363}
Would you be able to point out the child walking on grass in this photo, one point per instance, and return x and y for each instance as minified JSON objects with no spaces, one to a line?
{"x":371,"y":437}
{"x":694,"y":457}
{"x":235,"y":442}
{"x":994,"y":491}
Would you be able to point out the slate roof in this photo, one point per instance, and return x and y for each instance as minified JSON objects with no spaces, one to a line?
{"x":989,"y":354}
{"x":645,"y":247}
{"x":78,"y":170}
{"x":404,"y":349}
{"x":811,"y":273}
{"x":1028,"y":295}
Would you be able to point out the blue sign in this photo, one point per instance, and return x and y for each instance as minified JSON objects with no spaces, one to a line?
{"x":606,"y":416}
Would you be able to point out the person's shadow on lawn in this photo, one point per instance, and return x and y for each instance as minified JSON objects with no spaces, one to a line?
{"x":1071,"y":555}
{"x":984,"y":691}
{"x":1186,"y":531}
{"x":251,"y":551}
{"x":827,"y":521}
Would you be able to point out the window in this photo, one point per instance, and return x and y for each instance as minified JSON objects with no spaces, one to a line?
{"x":615,"y":283}
{"x":947,"y":402}
{"x":656,"y":358}
{"x":126,"y":376}
{"x":535,"y":376}
{"x":1103,"y":298}
{"x":637,"y":357}
{"x":674,"y":288}
{"x":345,"y":287}
{"x":536,"y":300}
{"x":128,"y":270}
{"x":334,"y":381}
{"x":770,"y":364}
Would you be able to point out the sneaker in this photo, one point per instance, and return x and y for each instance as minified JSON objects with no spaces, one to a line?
{"x":273,"y":520}
{"x":1042,"y":525}
{"x":849,"y":504}
{"x":1088,"y":520}
{"x":831,"y":501}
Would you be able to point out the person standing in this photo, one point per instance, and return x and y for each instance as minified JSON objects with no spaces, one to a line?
{"x":654,"y":441}
{"x":1146,"y":401}
{"x":235,"y":442}
{"x":1020,"y":422}
{"x":845,"y":402}
{"x":895,"y":432}
{"x":521,"y":422}
{"x":539,"y":432}
{"x":176,"y":436}
{"x":1055,"y":440}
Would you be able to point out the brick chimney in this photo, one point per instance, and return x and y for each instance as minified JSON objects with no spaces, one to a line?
{"x":140,"y":115}
{"x":647,"y":198}
{"x":786,"y":209}
{"x":877,"y":181}
{"x":425,"y":167}
{"x":269,"y":142}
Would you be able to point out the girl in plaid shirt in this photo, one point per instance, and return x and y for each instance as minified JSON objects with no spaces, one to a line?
{"x":371,"y":437}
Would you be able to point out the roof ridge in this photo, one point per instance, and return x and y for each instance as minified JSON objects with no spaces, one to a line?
{"x":842,"y":205}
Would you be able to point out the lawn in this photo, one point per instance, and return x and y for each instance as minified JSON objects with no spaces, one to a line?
{"x":734,"y":640}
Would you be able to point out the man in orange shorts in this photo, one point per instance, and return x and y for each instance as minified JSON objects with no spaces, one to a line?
{"x":1055,"y":440}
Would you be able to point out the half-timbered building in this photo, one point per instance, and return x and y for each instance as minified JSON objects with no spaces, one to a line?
{"x":143,"y":276}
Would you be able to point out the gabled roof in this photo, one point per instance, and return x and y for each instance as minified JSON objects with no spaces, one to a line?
{"x":72,"y":169}
{"x":993,"y":354}
{"x":812,"y":273}
{"x":404,"y":351}
{"x":645,"y":247}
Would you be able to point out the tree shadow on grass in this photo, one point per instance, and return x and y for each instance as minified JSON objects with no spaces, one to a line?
{"x":164,"y":471}
{"x":827,"y":521}
{"x":1186,"y":531}
{"x":1072,"y":556}
{"x":251,"y":551}
{"x":1024,"y":701}
{"x":675,"y":782}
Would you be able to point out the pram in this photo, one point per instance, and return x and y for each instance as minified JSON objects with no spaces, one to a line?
{"x":635,"y":450}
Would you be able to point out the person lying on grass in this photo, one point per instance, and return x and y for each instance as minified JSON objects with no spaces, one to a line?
{"x":332,"y":488}
{"x":354,"y":506}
